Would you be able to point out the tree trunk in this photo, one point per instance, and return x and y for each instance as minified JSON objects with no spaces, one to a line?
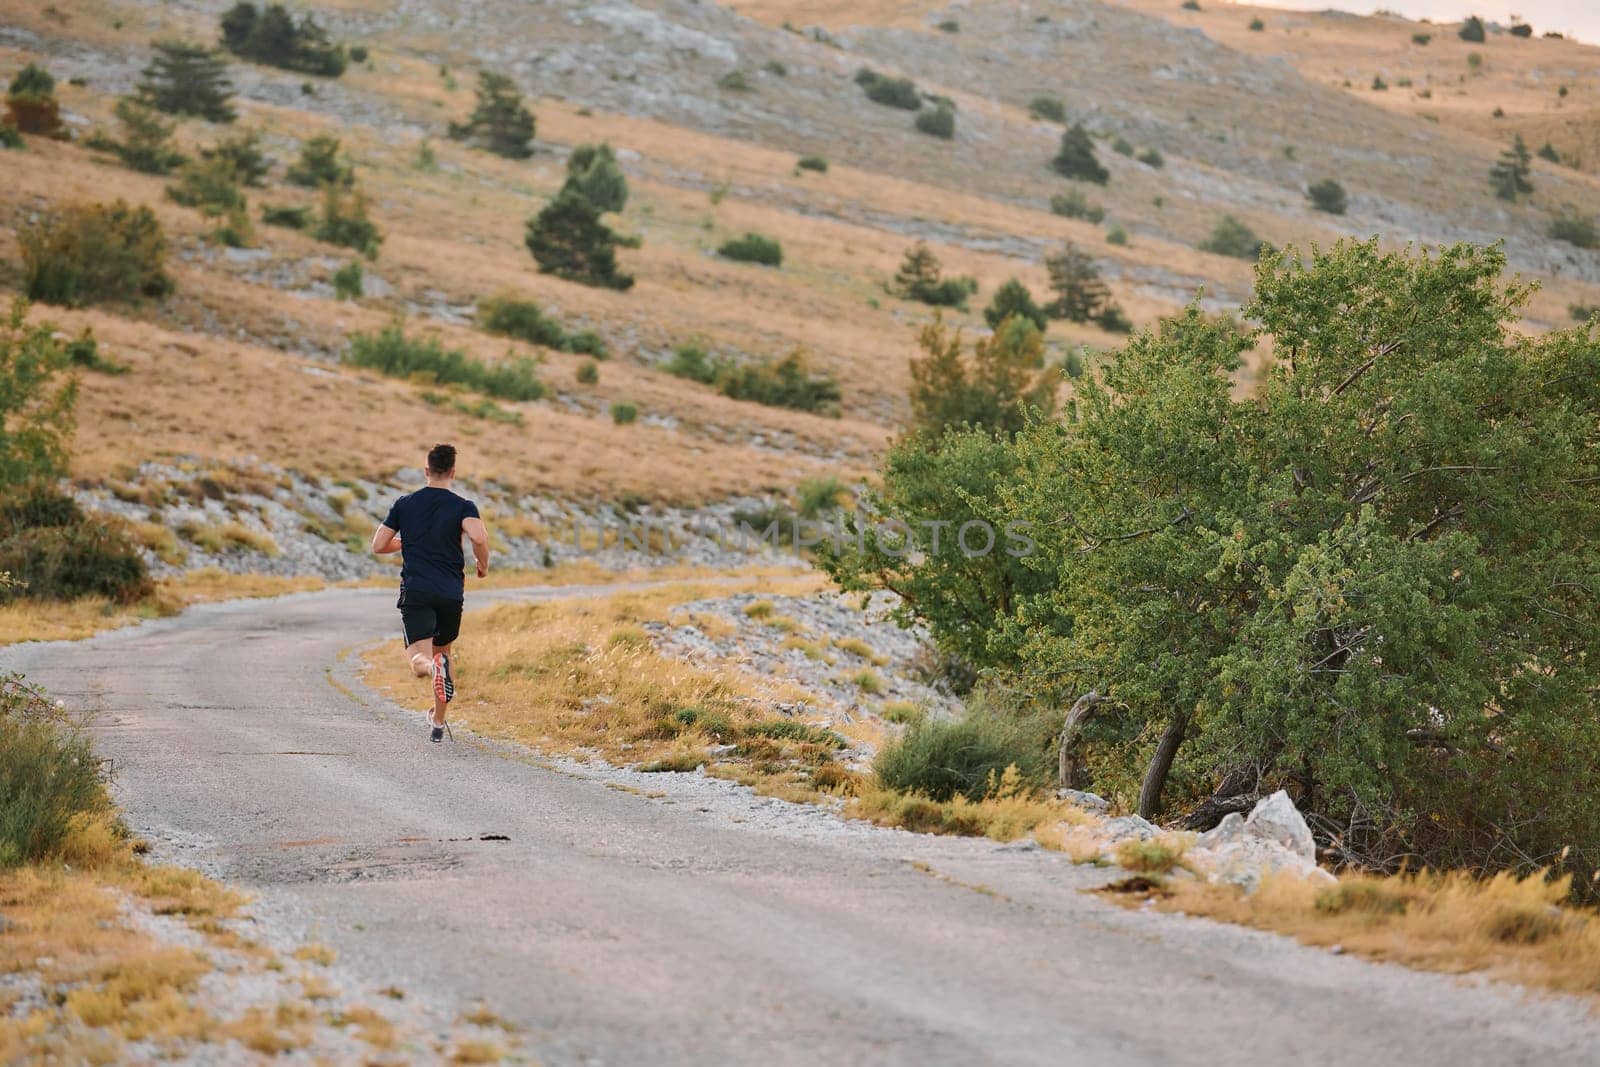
{"x":1238,"y":792}
{"x":1068,"y":772}
{"x":1155,"y":776}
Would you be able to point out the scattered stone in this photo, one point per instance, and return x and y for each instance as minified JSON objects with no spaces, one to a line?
{"x":1129,"y":828}
{"x":1087,"y":801}
{"x":1276,"y":819}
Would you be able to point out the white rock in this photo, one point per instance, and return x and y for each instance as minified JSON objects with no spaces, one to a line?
{"x":1228,"y":831}
{"x":1086,"y":801}
{"x":1276,"y":819}
{"x":1129,"y":827}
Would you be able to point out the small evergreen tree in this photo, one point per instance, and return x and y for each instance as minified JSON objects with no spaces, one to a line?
{"x":1012,"y":300}
{"x":568,"y":240}
{"x":242,"y":152}
{"x":1549,"y":152}
{"x":1003,"y":380}
{"x":500,"y":122}
{"x":1472,"y":30}
{"x":593,"y":171}
{"x":187,"y":79}
{"x":345,"y":221}
{"x":1509,"y":177}
{"x":1075,"y":281}
{"x":1077,"y":160}
{"x":919,"y":279}
{"x":208,"y":184}
{"x":940,"y":122}
{"x":146,"y":144}
{"x":1047,"y":108}
{"x":1328,"y":195}
{"x":31,"y":105}
{"x":321,"y":164}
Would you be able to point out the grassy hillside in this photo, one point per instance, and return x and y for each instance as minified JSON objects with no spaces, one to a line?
{"x":240,"y":364}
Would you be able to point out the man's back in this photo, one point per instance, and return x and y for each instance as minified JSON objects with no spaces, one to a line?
{"x":429,"y":524}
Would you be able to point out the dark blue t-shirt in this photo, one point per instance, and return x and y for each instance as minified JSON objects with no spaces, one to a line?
{"x":429,"y":524}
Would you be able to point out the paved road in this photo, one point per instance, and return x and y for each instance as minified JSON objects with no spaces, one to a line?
{"x":700,"y":926}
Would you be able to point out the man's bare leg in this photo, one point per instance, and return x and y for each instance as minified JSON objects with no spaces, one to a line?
{"x":440,"y":706}
{"x":420,"y":654}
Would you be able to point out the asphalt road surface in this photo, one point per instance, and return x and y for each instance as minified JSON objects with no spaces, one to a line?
{"x":704,"y":925}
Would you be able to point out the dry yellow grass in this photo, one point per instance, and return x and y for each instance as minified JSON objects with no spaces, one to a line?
{"x":1009,"y":812}
{"x":1504,"y":927}
{"x":71,"y":620}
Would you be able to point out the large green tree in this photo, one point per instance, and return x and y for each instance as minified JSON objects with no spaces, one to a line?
{"x":568,"y":240}
{"x":1371,"y":580}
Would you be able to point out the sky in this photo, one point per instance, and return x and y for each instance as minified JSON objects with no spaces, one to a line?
{"x":1576,"y":18}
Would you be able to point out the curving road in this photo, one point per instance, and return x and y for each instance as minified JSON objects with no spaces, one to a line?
{"x":702,"y":925}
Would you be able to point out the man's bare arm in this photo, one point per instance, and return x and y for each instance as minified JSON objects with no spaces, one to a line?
{"x":385,"y":541}
{"x":478,"y":534}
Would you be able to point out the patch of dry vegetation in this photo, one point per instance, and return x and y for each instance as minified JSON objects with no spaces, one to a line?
{"x":1506,"y":927}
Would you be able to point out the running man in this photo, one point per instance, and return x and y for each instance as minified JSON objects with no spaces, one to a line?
{"x":426,"y":528}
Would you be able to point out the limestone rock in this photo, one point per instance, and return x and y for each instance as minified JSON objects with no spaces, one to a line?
{"x":1087,"y":801}
{"x":1276,"y":819}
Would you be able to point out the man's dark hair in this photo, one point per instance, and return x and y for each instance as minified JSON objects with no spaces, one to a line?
{"x":441,"y":459}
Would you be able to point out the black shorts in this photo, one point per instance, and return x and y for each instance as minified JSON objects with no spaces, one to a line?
{"x":425,"y":615}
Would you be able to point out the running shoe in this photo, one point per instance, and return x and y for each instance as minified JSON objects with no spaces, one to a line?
{"x":444,"y":683}
{"x":436,"y":735}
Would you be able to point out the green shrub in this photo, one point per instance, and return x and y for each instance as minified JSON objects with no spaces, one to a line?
{"x":1012,"y":299}
{"x":208,"y":185}
{"x":94,"y":252}
{"x":77,"y":560}
{"x":623,"y":412}
{"x":1548,"y":151}
{"x":31,"y":105}
{"x":290,"y":218}
{"x":242,"y":152}
{"x":939,"y":122}
{"x":1574,"y":229}
{"x":1256,"y":25}
{"x":146,"y":144}
{"x":187,"y":79}
{"x":949,"y":26}
{"x":1233,"y":238}
{"x":776,"y":67}
{"x":321,"y":164}
{"x":816,"y":163}
{"x":890,"y":92}
{"x":1421,"y":39}
{"x":1076,"y":159}
{"x":358,"y":53}
{"x":734,"y":82}
{"x":1048,"y":108}
{"x":521,"y":319}
{"x":1152,"y":158}
{"x":1073,"y":204}
{"x":1122,"y":146}
{"x":84,"y":351}
{"x":1328,"y":195}
{"x":753,"y":248}
{"x":48,"y":776}
{"x":500,"y":121}
{"x":689,"y":360}
{"x":344,"y":221}
{"x":567,"y":239}
{"x":1116,"y":236}
{"x":391,"y":352}
{"x":1190,"y":5}
{"x":588,"y":372}
{"x":1472,"y":30}
{"x":820,"y":495}
{"x":786,"y":383}
{"x":348,"y":281}
{"x":272,"y":36}
{"x":10,"y":136}
{"x":941,"y":759}
{"x":1583,"y":312}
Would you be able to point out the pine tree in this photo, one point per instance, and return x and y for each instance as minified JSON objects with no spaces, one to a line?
{"x":243,"y":153}
{"x":1080,"y":294}
{"x":320,"y":164}
{"x":1012,"y":300}
{"x":568,"y":239}
{"x":271,"y":36}
{"x":146,"y":144}
{"x":500,"y":121}
{"x":187,"y":79}
{"x":918,"y":273}
{"x":593,"y":171}
{"x":1509,"y":177}
{"x":31,"y":104}
{"x":1076,"y":159}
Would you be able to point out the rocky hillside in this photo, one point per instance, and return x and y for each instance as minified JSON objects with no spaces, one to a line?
{"x":1196,"y":116}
